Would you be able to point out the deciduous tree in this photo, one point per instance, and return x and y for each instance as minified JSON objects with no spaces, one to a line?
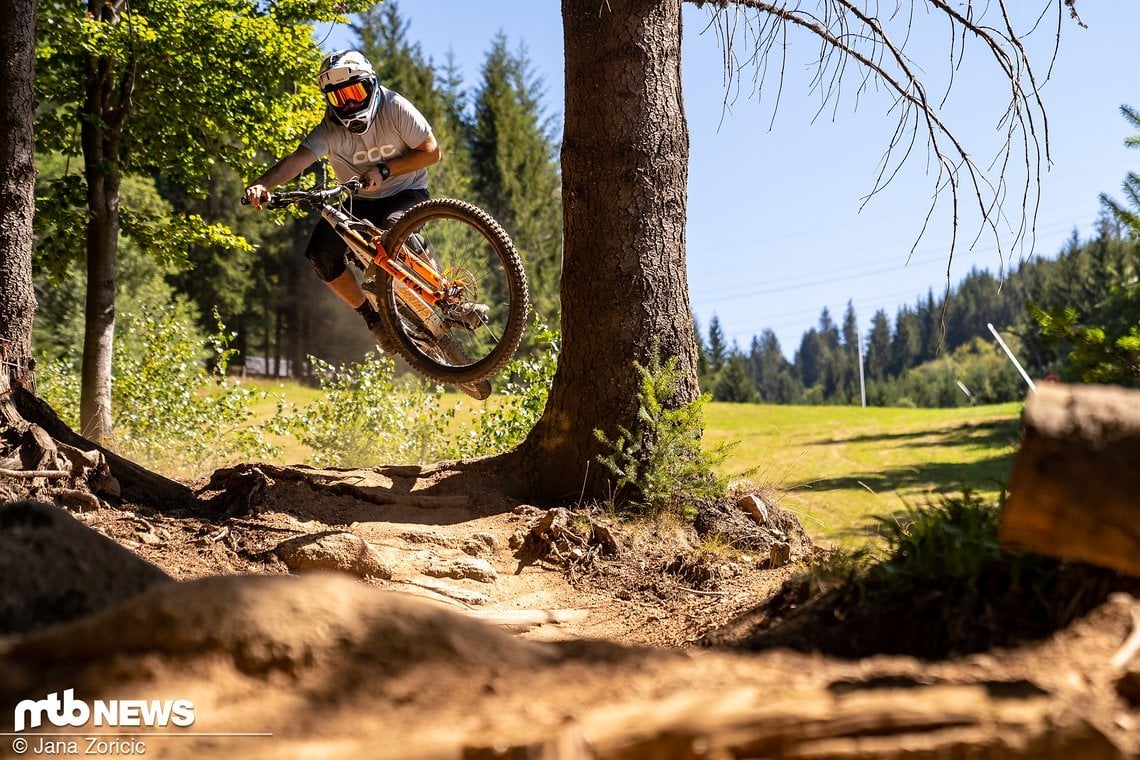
{"x":171,"y":88}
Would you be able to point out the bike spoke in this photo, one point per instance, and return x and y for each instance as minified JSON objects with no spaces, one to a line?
{"x":476,"y":318}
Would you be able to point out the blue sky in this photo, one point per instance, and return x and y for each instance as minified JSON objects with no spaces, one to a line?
{"x":775,"y":230}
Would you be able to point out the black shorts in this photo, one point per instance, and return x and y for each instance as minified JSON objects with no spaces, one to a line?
{"x":327,"y":249}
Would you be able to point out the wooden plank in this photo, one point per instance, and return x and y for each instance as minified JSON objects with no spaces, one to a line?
{"x":1075,"y":488}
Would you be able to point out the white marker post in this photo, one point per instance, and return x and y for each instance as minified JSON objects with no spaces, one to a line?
{"x":862,"y":382}
{"x":1012,"y":358}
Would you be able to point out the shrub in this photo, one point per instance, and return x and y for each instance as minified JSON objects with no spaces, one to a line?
{"x":521,"y":399}
{"x":171,"y":413}
{"x":366,"y":417}
{"x":660,"y":466}
{"x":953,"y":539}
{"x":1104,"y":344}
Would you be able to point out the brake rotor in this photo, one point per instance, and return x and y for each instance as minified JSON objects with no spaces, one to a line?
{"x":461,"y":282}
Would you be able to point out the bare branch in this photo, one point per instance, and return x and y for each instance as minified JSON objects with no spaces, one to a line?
{"x":855,"y":34}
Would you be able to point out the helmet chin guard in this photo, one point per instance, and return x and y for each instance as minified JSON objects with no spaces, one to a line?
{"x":349,"y":85}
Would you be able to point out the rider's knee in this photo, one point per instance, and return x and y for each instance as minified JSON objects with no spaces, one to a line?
{"x":329,"y":265}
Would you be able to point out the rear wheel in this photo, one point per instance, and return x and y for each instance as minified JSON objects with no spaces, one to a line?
{"x":484,"y":311}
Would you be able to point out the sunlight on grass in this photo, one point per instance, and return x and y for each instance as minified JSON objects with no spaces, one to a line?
{"x":292,"y":451}
{"x":301,"y":395}
{"x":834,"y":465}
{"x":837,"y":465}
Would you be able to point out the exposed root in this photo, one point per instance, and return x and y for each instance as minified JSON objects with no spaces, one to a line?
{"x":573,"y":540}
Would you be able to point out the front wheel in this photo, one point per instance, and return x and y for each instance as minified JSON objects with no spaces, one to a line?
{"x":479,"y":324}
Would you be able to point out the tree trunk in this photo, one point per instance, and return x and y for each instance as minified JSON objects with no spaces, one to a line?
{"x":624,"y":288}
{"x":300,"y":307}
{"x":17,"y":192}
{"x":278,"y":328}
{"x":101,"y":168}
{"x":20,"y":410}
{"x":1073,"y":490}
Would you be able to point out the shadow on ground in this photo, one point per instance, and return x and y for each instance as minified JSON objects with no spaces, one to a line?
{"x":992,"y":434}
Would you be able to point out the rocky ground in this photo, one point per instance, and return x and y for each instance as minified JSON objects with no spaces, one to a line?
{"x":415,"y":612}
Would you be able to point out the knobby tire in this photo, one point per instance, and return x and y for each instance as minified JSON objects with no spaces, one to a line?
{"x":513,"y":274}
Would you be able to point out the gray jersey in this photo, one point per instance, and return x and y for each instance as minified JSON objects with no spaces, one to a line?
{"x":397,"y":129}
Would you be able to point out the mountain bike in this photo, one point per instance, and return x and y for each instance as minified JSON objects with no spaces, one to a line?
{"x":446,"y":280}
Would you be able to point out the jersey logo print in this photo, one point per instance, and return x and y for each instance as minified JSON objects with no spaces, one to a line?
{"x":374,"y":155}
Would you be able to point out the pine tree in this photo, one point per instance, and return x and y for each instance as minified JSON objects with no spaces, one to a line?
{"x":828,"y":332}
{"x":976,"y":301}
{"x":400,"y":64}
{"x":929,"y":315}
{"x":906,"y":343}
{"x":515,"y":174}
{"x":717,"y":347}
{"x":770,"y":370}
{"x":1128,"y":215}
{"x":733,"y":383}
{"x":879,"y":346}
{"x":850,"y":331}
{"x":848,"y":361}
{"x":811,"y":358}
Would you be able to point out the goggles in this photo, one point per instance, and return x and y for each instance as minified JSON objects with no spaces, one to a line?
{"x":348,"y":97}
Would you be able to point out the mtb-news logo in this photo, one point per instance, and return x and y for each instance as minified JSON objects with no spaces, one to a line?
{"x":69,"y":712}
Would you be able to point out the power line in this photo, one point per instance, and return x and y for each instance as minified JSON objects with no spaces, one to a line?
{"x":839,"y":274}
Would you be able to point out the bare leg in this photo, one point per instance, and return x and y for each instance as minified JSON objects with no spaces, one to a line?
{"x":347,"y":288}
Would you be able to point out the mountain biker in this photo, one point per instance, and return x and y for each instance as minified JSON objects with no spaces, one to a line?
{"x":369,"y":132}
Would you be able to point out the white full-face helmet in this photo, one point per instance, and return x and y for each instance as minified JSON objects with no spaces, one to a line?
{"x":349,"y":85}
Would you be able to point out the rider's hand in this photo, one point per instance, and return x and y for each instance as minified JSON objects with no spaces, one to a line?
{"x":255,"y":194}
{"x":372,"y":179}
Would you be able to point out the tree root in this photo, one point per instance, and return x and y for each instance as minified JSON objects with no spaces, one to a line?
{"x":555,"y":537}
{"x":109,"y":475}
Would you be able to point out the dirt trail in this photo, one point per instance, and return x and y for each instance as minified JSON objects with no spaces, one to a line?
{"x":261,"y":643}
{"x":459,"y":547}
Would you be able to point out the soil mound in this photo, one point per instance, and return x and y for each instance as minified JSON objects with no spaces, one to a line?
{"x":55,"y":569}
{"x":929,"y":618}
{"x":339,"y":665}
{"x":324,"y":666}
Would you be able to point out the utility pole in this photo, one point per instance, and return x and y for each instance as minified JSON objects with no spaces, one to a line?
{"x":862,"y":383}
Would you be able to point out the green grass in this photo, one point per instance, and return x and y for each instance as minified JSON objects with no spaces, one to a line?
{"x":301,"y":395}
{"x":838,"y":465}
{"x":298,"y":394}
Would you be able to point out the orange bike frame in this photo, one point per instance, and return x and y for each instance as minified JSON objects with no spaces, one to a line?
{"x":410,"y":270}
{"x":405,"y":267}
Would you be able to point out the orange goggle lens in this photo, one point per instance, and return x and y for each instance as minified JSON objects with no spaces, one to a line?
{"x":350,"y":95}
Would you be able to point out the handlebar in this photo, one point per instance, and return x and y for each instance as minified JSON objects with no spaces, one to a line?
{"x":281,"y":200}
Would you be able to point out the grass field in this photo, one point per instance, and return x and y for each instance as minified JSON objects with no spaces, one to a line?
{"x":834,"y":466}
